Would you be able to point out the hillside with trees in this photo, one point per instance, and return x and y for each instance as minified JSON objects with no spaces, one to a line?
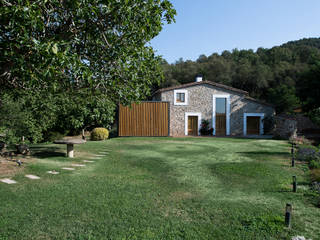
{"x":287,"y":75}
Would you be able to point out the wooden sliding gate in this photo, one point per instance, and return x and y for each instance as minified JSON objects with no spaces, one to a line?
{"x":144,"y":119}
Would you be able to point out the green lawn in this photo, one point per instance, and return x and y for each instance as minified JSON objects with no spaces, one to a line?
{"x":161,"y":188}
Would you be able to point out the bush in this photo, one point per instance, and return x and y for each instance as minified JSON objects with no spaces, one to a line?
{"x":204,"y":130}
{"x":99,"y":134}
{"x":307,"y":153}
{"x":315,"y":175}
{"x":314,"y":164}
{"x":52,"y":136}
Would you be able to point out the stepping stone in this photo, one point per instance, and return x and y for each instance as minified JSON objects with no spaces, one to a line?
{"x":87,"y":161}
{"x":95,"y":158}
{"x":67,"y":168}
{"x":78,"y":165}
{"x":8,"y":181}
{"x":33,"y":177}
{"x":53,"y":172}
{"x":103,"y":153}
{"x":100,"y":155}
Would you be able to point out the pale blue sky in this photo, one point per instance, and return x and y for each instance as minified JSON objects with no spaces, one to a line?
{"x":208,"y":26}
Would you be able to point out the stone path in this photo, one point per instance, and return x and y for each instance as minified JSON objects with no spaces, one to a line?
{"x":7,"y":181}
{"x":69,"y":169}
{"x":33,"y":177}
{"x":78,"y":165}
{"x":88,"y":161}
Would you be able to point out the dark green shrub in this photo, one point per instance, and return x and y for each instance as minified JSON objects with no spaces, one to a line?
{"x":315,"y":175}
{"x":314,"y":164}
{"x":99,"y":134}
{"x":52,"y":136}
{"x":113,"y":132}
{"x":204,"y":130}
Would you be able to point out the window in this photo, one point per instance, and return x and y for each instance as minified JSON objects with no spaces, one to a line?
{"x":180,"y":97}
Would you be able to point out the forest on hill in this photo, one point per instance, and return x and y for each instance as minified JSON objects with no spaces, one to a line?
{"x":287,"y":76}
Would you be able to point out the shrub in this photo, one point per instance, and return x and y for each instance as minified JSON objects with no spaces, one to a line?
{"x":99,"y":134}
{"x":308,"y":153}
{"x":52,"y":136}
{"x":204,"y":130}
{"x":315,"y":175}
{"x":314,"y":164}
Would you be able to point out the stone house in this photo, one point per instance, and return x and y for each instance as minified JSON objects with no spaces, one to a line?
{"x":230,"y":111}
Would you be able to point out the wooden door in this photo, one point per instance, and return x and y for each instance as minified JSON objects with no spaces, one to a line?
{"x":221,"y":125}
{"x":193,"y":125}
{"x":253,"y":125}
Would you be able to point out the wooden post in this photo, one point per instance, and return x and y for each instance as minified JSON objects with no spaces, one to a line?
{"x":288,"y":215}
{"x":294,"y":184}
{"x":22,"y":139}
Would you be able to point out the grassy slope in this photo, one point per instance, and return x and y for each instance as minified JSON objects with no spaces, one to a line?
{"x":161,"y":188}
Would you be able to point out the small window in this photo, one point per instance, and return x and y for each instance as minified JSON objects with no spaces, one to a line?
{"x":180,"y":97}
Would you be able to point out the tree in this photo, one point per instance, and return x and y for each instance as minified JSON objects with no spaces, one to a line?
{"x":309,"y":87}
{"x":284,"y":98}
{"x":73,"y":61}
{"x":60,"y":45}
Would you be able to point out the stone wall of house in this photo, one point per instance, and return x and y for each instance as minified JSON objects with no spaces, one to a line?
{"x":200,"y":100}
{"x":285,"y":128}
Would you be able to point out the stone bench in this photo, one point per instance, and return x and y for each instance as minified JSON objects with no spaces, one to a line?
{"x":70,"y":145}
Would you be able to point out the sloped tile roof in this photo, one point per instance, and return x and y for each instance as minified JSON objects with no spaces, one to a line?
{"x":214,"y":84}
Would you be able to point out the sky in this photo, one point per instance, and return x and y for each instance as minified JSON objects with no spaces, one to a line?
{"x":209,"y":26}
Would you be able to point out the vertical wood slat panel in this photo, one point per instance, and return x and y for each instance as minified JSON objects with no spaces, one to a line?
{"x":144,"y":119}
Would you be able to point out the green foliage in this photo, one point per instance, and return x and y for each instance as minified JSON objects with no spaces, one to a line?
{"x":58,"y":45}
{"x":284,"y":98}
{"x":315,"y":175}
{"x":283,"y":75}
{"x":314,"y":164}
{"x":99,"y":134}
{"x":66,"y":64}
{"x":36,"y":115}
{"x":204,"y":128}
{"x":315,"y":116}
{"x":52,"y":136}
{"x":309,"y":86}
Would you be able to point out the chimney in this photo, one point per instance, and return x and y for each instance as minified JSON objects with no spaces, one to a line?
{"x":199,"y":78}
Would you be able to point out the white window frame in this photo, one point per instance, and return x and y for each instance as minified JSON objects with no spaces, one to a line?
{"x":245,"y":115}
{"x":228,"y":108}
{"x":185,"y":97}
{"x":186,"y":115}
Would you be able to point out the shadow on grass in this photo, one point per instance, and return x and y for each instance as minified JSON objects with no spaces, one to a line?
{"x":47,"y":152}
{"x":265,"y":153}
